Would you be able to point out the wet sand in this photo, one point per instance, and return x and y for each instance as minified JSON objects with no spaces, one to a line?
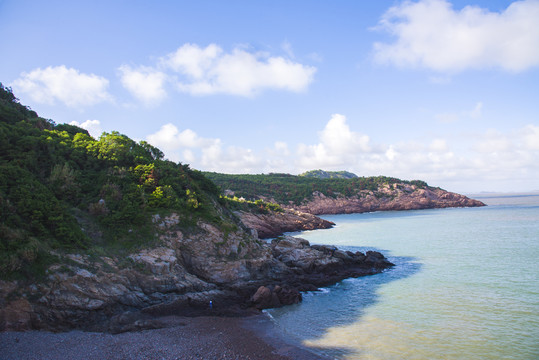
{"x":182,"y":338}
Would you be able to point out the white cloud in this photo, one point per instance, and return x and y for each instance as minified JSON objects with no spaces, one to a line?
{"x":281,"y":147}
{"x":431,"y":34}
{"x":63,"y":84}
{"x":391,"y":154}
{"x":205,"y":153}
{"x":93,"y":127}
{"x":188,"y":156}
{"x":193,"y":61}
{"x":489,"y":160}
{"x":169,"y":139}
{"x":438,"y":145}
{"x":493,"y":142}
{"x":338,"y":144}
{"x":232,"y":159}
{"x":210,"y":70}
{"x":530,"y":137}
{"x":144,"y":83}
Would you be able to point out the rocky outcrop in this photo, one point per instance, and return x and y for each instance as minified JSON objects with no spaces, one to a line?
{"x":224,"y":266}
{"x":313,"y":266}
{"x":394,"y":197}
{"x":274,"y":224}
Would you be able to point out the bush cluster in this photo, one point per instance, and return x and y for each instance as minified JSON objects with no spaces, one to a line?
{"x":49,"y":173}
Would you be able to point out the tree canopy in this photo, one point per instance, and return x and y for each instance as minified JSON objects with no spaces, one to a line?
{"x":57,"y":182}
{"x":286,"y":188}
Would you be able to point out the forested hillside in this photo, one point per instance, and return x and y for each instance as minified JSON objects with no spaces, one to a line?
{"x":285,"y":188}
{"x":340,"y":196}
{"x":62,"y":189}
{"x":321,"y":174}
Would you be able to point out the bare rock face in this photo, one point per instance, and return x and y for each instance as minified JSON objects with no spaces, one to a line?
{"x":395,"y":197}
{"x":274,"y":224}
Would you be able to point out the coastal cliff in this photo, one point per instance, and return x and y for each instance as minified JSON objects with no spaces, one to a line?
{"x":335,"y":195}
{"x":303,"y":217}
{"x":388,"y":197}
{"x":210,"y":271}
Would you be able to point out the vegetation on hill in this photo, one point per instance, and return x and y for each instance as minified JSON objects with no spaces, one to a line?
{"x":61,"y":189}
{"x":258,"y":206}
{"x":321,"y":174}
{"x":285,"y":188}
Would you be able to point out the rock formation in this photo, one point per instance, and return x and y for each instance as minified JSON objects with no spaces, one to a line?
{"x":395,"y":197}
{"x":274,"y":224}
{"x":180,"y":276}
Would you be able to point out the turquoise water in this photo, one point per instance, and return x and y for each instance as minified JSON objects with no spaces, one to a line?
{"x":466,"y":286}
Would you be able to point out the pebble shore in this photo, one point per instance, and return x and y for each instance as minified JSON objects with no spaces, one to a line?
{"x":181,"y":338}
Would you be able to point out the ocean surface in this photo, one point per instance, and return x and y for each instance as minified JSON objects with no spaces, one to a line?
{"x":465,"y":286}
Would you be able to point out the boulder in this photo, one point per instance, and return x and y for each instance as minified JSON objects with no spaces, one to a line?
{"x":272,"y":297}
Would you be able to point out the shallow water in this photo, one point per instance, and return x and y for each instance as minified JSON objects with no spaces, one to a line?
{"x":466,"y":286}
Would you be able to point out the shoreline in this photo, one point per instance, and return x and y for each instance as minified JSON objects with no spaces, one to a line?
{"x":204,"y":337}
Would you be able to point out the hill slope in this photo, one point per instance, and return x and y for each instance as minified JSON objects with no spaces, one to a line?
{"x":337,"y":196}
{"x":321,"y":174}
{"x":60,"y":189}
{"x":106,"y":235}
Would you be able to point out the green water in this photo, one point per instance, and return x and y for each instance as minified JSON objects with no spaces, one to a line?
{"x":466,"y":286}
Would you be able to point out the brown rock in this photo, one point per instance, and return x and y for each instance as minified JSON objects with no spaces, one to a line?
{"x":276,"y":223}
{"x":16,"y":316}
{"x":397,"y":197}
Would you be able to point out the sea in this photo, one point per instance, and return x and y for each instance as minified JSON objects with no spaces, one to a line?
{"x":465,"y":286}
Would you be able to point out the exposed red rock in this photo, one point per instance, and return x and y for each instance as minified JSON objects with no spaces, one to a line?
{"x":276,"y":223}
{"x":397,"y":197}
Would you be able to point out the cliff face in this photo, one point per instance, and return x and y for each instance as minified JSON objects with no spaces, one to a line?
{"x":403,"y":197}
{"x":185,"y":271}
{"x":180,"y":276}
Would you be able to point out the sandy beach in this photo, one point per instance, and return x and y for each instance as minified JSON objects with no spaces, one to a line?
{"x":181,"y":338}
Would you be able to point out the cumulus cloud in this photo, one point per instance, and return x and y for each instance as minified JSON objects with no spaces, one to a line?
{"x":232,"y":159}
{"x":93,"y":127}
{"x":205,"y":153}
{"x":144,"y":83}
{"x":434,"y":35}
{"x":489,"y":160}
{"x":170,"y":138}
{"x":338,"y":144}
{"x":210,"y":70}
{"x":63,"y":84}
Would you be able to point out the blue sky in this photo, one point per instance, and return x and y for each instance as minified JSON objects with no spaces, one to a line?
{"x":443,"y":91}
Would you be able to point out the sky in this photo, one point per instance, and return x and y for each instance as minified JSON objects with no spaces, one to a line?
{"x":437,"y":90}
